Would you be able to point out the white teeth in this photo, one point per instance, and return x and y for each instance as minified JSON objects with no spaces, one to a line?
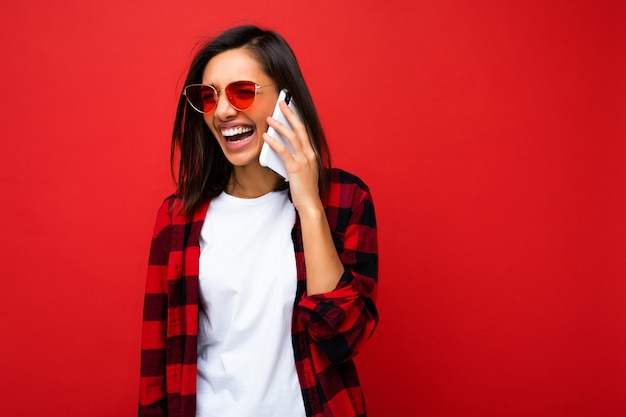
{"x":235,"y":131}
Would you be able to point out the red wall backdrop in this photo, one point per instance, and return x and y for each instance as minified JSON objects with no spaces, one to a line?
{"x":492,"y":134}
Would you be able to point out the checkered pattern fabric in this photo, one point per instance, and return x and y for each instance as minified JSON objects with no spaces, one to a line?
{"x":328,"y":330}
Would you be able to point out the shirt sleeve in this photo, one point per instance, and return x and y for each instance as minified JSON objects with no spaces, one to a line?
{"x":152,"y":392}
{"x":340,"y":321}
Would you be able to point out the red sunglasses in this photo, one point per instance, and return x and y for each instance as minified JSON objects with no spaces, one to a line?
{"x":203,"y":98}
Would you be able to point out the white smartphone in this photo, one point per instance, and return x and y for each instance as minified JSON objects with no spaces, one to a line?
{"x":268,"y":157}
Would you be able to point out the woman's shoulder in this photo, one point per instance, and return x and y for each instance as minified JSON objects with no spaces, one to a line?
{"x":170,"y":207}
{"x":340,"y":176}
{"x":168,"y":203}
{"x":346,"y":189}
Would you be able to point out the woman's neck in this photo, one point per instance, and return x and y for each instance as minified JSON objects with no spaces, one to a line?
{"x":252,"y":182}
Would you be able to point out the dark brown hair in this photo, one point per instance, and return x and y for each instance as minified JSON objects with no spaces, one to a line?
{"x":204,"y":171}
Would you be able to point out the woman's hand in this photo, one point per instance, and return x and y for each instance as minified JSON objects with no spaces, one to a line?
{"x":301,"y":165}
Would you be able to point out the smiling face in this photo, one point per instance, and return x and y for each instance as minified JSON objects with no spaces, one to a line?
{"x":239,"y":133}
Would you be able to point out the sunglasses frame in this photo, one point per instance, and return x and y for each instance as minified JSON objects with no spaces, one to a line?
{"x":218,"y":94}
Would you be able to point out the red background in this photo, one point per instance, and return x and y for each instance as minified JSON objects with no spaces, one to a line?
{"x":492,"y":134}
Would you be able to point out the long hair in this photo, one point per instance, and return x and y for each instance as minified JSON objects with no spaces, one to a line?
{"x":204,"y":171}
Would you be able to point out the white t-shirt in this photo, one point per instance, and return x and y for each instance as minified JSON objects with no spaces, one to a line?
{"x":246,"y":364}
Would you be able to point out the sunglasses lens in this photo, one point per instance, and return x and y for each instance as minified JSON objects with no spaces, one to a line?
{"x":241,"y":94}
{"x":209,"y":98}
{"x":201,"y":97}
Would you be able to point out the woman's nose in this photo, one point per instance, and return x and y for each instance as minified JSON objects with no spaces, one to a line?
{"x":223,"y":109}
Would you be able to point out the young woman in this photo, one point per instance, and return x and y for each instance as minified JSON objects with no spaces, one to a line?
{"x":260,"y":291}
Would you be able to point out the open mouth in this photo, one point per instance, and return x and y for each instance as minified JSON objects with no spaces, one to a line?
{"x":237,"y":134}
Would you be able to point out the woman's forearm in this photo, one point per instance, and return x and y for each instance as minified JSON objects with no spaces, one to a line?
{"x":323,"y":266}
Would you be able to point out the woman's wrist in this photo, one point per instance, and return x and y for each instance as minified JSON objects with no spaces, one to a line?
{"x":312,"y":213}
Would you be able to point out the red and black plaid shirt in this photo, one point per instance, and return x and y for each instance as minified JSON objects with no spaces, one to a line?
{"x":327,"y":329}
